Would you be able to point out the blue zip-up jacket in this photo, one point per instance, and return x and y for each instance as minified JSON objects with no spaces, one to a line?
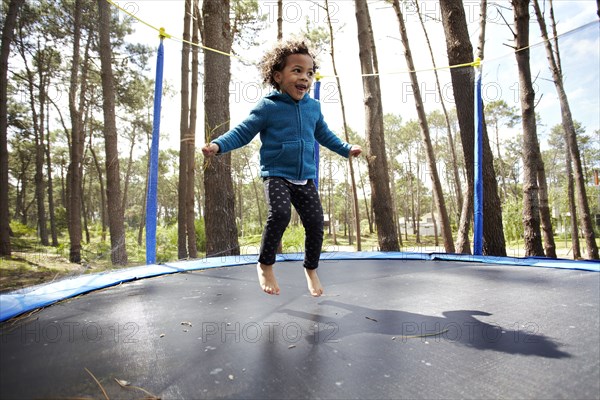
{"x":288,"y":130}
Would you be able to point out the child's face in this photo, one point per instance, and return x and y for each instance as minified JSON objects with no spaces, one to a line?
{"x":297,"y":76}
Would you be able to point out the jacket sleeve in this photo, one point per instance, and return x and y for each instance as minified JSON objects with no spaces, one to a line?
{"x":243,"y":133}
{"x":327,"y":138}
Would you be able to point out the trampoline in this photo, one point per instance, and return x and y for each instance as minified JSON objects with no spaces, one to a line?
{"x":390,"y":326}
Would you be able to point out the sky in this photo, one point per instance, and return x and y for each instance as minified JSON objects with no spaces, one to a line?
{"x":580,"y":55}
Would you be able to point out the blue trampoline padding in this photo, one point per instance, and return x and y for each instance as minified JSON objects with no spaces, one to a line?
{"x":21,"y":301}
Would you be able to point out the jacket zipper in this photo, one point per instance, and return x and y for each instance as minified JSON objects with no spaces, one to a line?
{"x":301,"y":153}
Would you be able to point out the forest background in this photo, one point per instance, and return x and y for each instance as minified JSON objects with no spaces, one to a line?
{"x":43,"y":114}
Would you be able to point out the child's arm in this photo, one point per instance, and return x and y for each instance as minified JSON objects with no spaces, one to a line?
{"x":244,"y":132}
{"x":240,"y":135}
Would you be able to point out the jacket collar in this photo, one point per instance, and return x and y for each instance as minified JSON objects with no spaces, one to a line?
{"x":277,"y":95}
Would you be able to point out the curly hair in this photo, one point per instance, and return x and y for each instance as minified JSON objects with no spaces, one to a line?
{"x":274,"y":59}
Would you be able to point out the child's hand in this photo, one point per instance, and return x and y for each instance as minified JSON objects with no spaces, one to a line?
{"x":210,"y":149}
{"x":355,"y":150}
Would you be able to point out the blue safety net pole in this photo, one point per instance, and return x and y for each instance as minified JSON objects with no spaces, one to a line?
{"x":318,"y":98}
{"x":152,"y":195}
{"x":478,"y":167}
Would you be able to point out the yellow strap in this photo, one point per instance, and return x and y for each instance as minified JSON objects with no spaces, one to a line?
{"x":163,"y":34}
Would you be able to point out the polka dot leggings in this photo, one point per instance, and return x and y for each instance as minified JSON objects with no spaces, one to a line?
{"x":280,"y":195}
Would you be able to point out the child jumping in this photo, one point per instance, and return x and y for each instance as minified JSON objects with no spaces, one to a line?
{"x":289,"y":121}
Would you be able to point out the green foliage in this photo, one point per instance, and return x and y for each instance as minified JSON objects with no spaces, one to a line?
{"x":246,"y":22}
{"x":200,"y":235}
{"x":293,"y":239}
{"x":20,"y":230}
{"x":136,"y":253}
{"x":96,"y":253}
{"x":317,"y":37}
{"x":63,"y":248}
{"x":512,"y":219}
{"x":250,"y":244}
{"x":364,"y":225}
{"x":166,"y":243}
{"x":60,"y":218}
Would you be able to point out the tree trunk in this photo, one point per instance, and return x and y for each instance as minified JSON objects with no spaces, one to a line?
{"x":84,"y":211}
{"x":280,"y":19}
{"x":221,"y":229}
{"x":365,"y":201}
{"x":37,"y":120}
{"x":74,"y":175}
{"x":435,"y":228}
{"x":392,"y":179}
{"x":413,"y":215}
{"x":142,"y":226}
{"x":346,"y":135}
{"x":53,"y":231}
{"x":128,"y":169}
{"x":406,"y":218}
{"x":116,"y":221}
{"x":463,"y":245}
{"x":44,"y":83}
{"x":460,"y":51}
{"x":571,"y":139}
{"x":332,"y":216}
{"x":184,"y":128}
{"x":531,"y":207}
{"x":103,"y":202}
{"x":500,"y":160}
{"x":545,"y":217}
{"x":376,"y":157}
{"x":255,"y":189}
{"x":572,"y":207}
{"x":347,"y":202}
{"x":555,"y":34}
{"x":453,"y":158}
{"x":140,"y":236}
{"x":438,"y":194}
{"x":40,"y":184}
{"x":191,"y":140}
{"x":418,"y":202}
{"x":7,"y":37}
{"x":21,"y":195}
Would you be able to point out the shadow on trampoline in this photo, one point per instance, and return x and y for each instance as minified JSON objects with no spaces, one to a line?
{"x":457,"y":327}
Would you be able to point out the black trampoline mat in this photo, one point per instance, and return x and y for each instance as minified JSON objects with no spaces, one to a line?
{"x":385,"y":329}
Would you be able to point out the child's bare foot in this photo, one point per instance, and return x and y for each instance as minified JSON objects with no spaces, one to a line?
{"x":314,"y":284}
{"x":266,"y":278}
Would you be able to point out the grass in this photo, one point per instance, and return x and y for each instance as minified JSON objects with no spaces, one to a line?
{"x":26,"y":269}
